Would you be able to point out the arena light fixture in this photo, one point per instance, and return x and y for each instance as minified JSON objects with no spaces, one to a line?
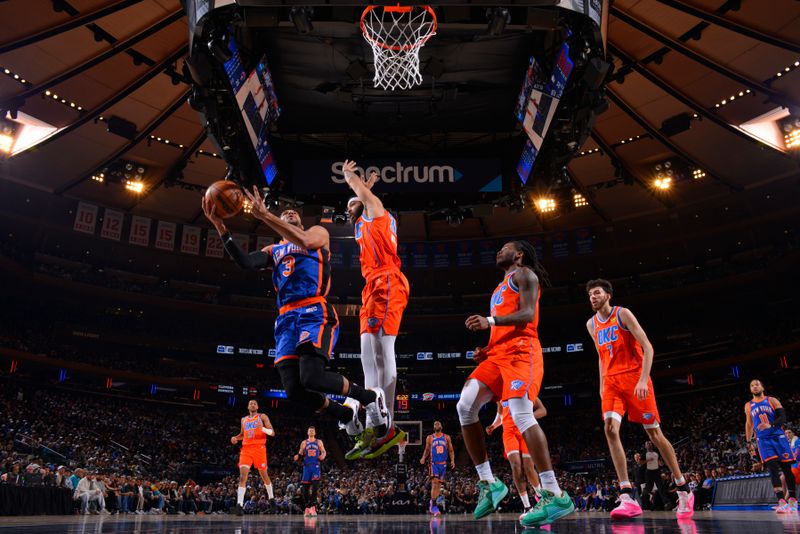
{"x":698,"y":173}
{"x":791,"y":133}
{"x":8,"y":130}
{"x":546,"y":204}
{"x":99,"y":177}
{"x":662,"y":183}
{"x":301,"y":16}
{"x":134,"y":186}
{"x":579,"y":200}
{"x":247,"y":207}
{"x":498,"y":18}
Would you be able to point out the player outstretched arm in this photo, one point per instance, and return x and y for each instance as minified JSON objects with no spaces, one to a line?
{"x":629,"y":322}
{"x":267,"y":425}
{"x":539,"y":409}
{"x":528,"y":285}
{"x":314,"y":238}
{"x":373,"y":207}
{"x":260,"y":259}
{"x":590,"y":328}
{"x":427,"y":450}
{"x":451,"y":451}
{"x":322,"y":452}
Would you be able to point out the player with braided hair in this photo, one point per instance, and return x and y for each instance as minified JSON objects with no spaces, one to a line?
{"x":510,"y":369}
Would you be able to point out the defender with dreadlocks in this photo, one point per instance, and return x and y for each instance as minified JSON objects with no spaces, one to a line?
{"x":510,"y":368}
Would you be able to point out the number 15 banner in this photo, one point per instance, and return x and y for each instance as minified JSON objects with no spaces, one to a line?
{"x":165,"y":235}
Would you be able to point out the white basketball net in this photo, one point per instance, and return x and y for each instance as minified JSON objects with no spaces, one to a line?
{"x":396,"y":35}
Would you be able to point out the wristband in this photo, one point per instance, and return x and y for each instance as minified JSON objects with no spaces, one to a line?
{"x":268,"y":431}
{"x":491,"y":320}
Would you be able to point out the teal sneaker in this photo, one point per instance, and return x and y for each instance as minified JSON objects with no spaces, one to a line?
{"x":548,"y":509}
{"x":489,"y":497}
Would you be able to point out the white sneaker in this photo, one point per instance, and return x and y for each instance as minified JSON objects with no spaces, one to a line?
{"x":354,"y":426}
{"x":377,"y":411}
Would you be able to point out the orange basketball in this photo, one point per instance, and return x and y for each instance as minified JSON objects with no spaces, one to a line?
{"x":227,"y":198}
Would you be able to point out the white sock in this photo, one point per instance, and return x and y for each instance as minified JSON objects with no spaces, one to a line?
{"x":240,"y":495}
{"x":537,"y":490}
{"x":549,"y":482}
{"x":485,"y":472}
{"x":369,"y":364}
{"x":679,"y":481}
{"x":388,"y":368}
{"x":526,"y":502}
{"x":270,"y":493}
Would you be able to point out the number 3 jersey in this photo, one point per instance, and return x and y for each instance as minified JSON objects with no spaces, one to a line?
{"x":618,"y":349}
{"x":299,"y":273}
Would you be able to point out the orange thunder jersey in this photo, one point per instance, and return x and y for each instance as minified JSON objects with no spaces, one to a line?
{"x":505,"y":300}
{"x":251,"y":429}
{"x":377,"y":241}
{"x":618,"y":349}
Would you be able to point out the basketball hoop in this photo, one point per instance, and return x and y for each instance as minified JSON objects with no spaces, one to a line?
{"x":396,"y":34}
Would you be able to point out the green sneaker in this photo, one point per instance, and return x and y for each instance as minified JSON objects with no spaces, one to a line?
{"x":490,"y":496}
{"x":379,"y":447}
{"x":363,"y":441}
{"x":548,"y":509}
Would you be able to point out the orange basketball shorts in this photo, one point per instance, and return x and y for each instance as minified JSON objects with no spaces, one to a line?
{"x":383,"y":299}
{"x":513,"y":441}
{"x":618,"y":398}
{"x":255,"y":455}
{"x":513,"y":369}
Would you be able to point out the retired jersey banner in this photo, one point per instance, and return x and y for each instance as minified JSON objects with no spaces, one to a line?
{"x":165,"y":235}
{"x":140,"y":231}
{"x":538,"y":245}
{"x":488,"y":251}
{"x":353,"y":252}
{"x":408,"y":175}
{"x":85,"y":218}
{"x":112,"y":225}
{"x":190,"y":240}
{"x":214,"y":247}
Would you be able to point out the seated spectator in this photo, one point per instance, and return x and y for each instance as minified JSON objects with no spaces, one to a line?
{"x":89,"y":491}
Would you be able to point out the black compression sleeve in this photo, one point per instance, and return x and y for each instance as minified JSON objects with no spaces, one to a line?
{"x":780,"y":417}
{"x":254,"y":260}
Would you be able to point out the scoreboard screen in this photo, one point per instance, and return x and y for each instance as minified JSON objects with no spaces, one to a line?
{"x":401,"y":405}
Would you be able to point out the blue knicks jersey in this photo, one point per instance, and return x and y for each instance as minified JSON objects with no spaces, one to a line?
{"x":311,"y":454}
{"x":438,"y":449}
{"x":762,"y":412}
{"x":298,"y":273}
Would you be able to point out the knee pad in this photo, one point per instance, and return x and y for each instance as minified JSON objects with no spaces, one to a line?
{"x":473,"y":396}
{"x":522,"y":413}
{"x":311,"y":372}
{"x":467,"y":411}
{"x":290,"y":378}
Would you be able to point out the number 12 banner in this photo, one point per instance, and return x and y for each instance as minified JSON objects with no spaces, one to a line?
{"x":112,"y":225}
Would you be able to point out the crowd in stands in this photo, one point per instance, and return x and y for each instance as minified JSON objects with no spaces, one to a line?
{"x":131,"y":456}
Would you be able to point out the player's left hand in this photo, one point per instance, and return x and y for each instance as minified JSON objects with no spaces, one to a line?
{"x":373,"y":177}
{"x":257,"y":206}
{"x":477,"y":322}
{"x":453,"y":464}
{"x":641,"y":390}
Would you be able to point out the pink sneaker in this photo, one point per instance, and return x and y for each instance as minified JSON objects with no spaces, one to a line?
{"x":685,"y":505}
{"x":627,"y":508}
{"x":783,"y":507}
{"x":792,"y":504}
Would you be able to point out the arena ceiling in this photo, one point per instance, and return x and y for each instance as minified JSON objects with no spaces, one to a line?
{"x":724,"y":63}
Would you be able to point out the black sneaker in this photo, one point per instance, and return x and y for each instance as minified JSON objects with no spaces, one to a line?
{"x":238,"y":510}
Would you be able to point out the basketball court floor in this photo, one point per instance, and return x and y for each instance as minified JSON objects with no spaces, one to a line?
{"x":726,"y":522}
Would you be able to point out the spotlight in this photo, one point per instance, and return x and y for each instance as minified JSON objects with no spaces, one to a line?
{"x":247,"y":207}
{"x":546,"y":204}
{"x":579,"y":200}
{"x":8,"y":130}
{"x":101,"y":177}
{"x":498,"y":18}
{"x":300,"y":16}
{"x":134,"y":186}
{"x":662,"y":183}
{"x":698,"y":173}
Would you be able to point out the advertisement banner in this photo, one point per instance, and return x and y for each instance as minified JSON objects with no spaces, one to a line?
{"x":112,"y":225}
{"x":85,"y":218}
{"x":408,"y":175}
{"x":140,"y":231}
